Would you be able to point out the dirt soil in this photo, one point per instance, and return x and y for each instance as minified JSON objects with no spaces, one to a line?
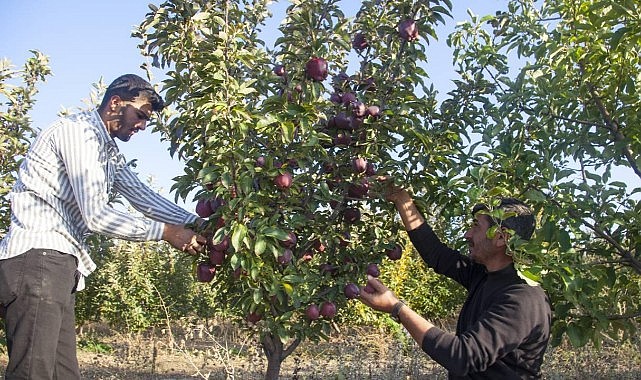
{"x":221,"y":352}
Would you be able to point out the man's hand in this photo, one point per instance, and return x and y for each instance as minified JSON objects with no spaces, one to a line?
{"x":403,"y":202}
{"x":184,"y":239}
{"x":392,"y":192}
{"x":377,"y":296}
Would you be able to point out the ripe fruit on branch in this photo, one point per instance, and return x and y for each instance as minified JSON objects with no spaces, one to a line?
{"x":359,"y":164}
{"x":239,"y":272}
{"x":372,"y":270}
{"x":394,"y":253}
{"x":342,"y":139}
{"x":318,"y":245}
{"x":206,"y":207}
{"x":284,"y":180}
{"x":351,"y":291}
{"x":203,"y":208}
{"x":328,"y":310}
{"x":348,"y":98}
{"x":356,"y":122}
{"x":261,"y":161}
{"x":290,"y":240}
{"x":205,"y":272}
{"x":352,"y":215}
{"x":408,"y":29}
{"x":358,"y":190}
{"x":216,"y":257}
{"x":373,"y":111}
{"x":335,"y":98}
{"x":279,"y":70}
{"x":342,"y":121}
{"x":316,"y":69}
{"x":312,"y":312}
{"x":371,"y":169}
{"x":222,"y":245}
{"x":285,"y":257}
{"x":359,"y":42}
{"x":220,"y":223}
{"x":359,"y":109}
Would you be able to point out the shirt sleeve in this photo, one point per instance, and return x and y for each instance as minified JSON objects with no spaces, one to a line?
{"x":507,"y":324}
{"x":147,"y":201}
{"x":443,"y":259}
{"x":80,"y":151}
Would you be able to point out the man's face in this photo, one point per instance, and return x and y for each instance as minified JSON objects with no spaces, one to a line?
{"x":481,"y":247}
{"x":132,"y":117}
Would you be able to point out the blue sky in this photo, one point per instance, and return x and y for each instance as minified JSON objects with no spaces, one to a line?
{"x":88,"y":40}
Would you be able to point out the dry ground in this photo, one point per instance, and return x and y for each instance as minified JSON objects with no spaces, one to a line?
{"x":220,"y":352}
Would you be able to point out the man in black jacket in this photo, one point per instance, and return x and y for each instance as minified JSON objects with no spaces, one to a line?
{"x":504,"y":325}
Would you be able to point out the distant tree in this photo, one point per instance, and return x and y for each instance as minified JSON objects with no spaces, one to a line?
{"x":18,"y":88}
{"x":549,"y":94}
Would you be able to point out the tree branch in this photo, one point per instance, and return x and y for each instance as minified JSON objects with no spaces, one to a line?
{"x":612,"y":124}
{"x":624,"y":316}
{"x":620,"y":250}
{"x":291,"y":348}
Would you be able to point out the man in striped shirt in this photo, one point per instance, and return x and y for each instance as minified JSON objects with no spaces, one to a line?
{"x":61,"y":196}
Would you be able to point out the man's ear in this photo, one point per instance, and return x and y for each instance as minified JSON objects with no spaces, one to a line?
{"x":114,"y":103}
{"x":502,"y":237}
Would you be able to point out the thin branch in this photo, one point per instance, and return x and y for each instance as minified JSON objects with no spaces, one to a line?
{"x":621,"y":251}
{"x":624,"y":316}
{"x":612,"y":124}
{"x":291,"y":348}
{"x":584,"y":122}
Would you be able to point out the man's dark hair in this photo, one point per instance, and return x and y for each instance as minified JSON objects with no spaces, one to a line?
{"x":519,"y":216}
{"x":128,"y":87}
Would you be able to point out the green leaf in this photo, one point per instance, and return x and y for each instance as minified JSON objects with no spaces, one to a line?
{"x":238,"y":235}
{"x":259,"y":246}
{"x":265,"y":120}
{"x":257,"y":296}
{"x":276,"y":233}
{"x":226,"y":179}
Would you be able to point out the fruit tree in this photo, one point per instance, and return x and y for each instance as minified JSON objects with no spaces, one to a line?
{"x":281,"y":147}
{"x":15,"y":125}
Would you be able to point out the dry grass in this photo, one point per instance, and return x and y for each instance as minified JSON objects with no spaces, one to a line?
{"x":220,"y":352}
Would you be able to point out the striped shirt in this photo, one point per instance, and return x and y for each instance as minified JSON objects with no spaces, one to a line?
{"x":62,"y":194}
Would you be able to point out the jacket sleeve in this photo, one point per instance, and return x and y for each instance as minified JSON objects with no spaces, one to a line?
{"x":513,"y":318}
{"x":438,"y":256}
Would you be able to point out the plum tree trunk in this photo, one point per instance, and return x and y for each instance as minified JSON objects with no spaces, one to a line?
{"x":276,"y":353}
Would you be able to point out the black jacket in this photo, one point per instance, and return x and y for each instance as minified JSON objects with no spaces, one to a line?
{"x":504,"y":325}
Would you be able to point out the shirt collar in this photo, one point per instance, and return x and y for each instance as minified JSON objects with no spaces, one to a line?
{"x":103,"y":133}
{"x":508,"y":271}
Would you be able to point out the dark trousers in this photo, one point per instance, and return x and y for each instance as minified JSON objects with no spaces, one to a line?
{"x":37,"y":289}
